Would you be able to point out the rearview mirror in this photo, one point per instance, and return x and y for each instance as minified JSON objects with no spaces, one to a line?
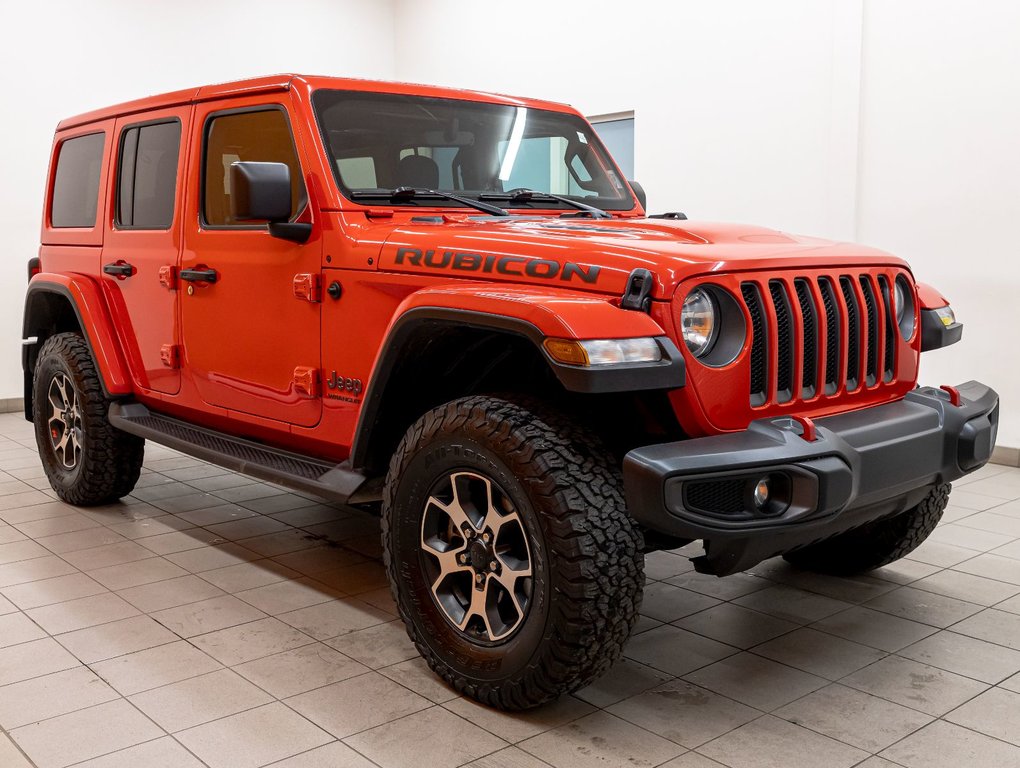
{"x":260,"y":192}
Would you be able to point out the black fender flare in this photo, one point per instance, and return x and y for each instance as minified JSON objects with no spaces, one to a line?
{"x":669,"y":373}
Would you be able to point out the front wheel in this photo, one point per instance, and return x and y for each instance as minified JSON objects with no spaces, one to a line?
{"x":875,"y":544}
{"x":511,"y":557}
{"x":86,"y":460}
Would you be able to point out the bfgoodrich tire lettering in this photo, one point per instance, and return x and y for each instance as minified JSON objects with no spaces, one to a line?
{"x":98,"y":463}
{"x":585,"y":553}
{"x":875,"y":544}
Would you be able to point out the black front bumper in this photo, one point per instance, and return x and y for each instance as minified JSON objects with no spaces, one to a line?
{"x":862,"y":466}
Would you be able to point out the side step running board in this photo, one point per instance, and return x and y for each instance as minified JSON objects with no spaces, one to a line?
{"x":336,"y":482}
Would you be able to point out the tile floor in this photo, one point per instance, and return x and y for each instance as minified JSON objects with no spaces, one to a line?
{"x":213,"y":620}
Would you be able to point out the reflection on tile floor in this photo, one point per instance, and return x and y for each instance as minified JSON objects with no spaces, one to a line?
{"x":216,"y":620}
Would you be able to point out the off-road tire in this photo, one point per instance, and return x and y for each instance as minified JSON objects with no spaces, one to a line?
{"x":110,"y":460}
{"x":586,"y":548}
{"x":875,"y":544}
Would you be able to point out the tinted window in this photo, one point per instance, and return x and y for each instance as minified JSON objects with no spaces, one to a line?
{"x":257,"y":136}
{"x":76,"y":182}
{"x":147,"y":181}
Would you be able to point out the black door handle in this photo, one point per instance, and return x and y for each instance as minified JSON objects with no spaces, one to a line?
{"x":119,"y":269}
{"x":205,"y":275}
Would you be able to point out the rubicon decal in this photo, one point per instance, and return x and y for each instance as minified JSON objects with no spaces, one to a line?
{"x":466,"y":261}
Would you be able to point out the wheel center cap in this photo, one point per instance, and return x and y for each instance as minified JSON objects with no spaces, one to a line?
{"x":481,"y":554}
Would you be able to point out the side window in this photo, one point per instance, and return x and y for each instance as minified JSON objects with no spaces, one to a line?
{"x":147,"y":176}
{"x":76,"y":181}
{"x":262,"y":136}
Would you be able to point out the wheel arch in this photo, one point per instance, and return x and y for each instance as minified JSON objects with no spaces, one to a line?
{"x":421,"y":361}
{"x":58,"y":304}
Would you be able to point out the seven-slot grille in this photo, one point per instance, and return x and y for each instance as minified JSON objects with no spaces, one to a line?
{"x":819,"y":335}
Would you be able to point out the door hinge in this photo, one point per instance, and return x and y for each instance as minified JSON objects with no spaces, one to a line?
{"x":168,"y":278}
{"x":308,"y":287}
{"x":170,"y":354}
{"x":307,"y":380}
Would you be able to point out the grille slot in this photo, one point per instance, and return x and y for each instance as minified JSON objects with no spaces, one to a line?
{"x":759,"y":344}
{"x":853,"y":344}
{"x":809,"y":375}
{"x":831,"y":336}
{"x":871,"y":307}
{"x":784,"y":331}
{"x":888,"y":364}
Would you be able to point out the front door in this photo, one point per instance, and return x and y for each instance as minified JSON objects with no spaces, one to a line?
{"x":143,"y":244}
{"x":251,"y":344}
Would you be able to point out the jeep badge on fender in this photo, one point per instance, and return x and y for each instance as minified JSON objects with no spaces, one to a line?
{"x":340,"y":382}
{"x":560,"y":383}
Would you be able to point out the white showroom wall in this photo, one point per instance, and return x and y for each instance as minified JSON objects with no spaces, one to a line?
{"x":940,"y":173}
{"x":63,"y":57}
{"x":895,"y":123}
{"x":890,"y":122}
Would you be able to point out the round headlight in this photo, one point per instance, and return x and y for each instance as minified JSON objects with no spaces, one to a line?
{"x":698,"y":322}
{"x":905,"y":307}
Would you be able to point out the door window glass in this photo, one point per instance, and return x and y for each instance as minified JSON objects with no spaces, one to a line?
{"x":147,"y":178}
{"x":262,"y":136}
{"x":76,"y":182}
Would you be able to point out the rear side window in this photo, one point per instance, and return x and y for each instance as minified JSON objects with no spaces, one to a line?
{"x":76,"y":181}
{"x":147,"y":176}
{"x":262,"y":136}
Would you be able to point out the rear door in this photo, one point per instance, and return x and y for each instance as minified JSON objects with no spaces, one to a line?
{"x":251,"y":342}
{"x":143,"y":244}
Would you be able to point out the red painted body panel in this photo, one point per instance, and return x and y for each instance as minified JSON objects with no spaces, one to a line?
{"x":146,"y":311}
{"x":930,"y":298}
{"x":243,"y":337}
{"x":245,"y":334}
{"x":722,"y":393}
{"x":97,"y":323}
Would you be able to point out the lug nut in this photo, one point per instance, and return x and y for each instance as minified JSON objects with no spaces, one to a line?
{"x":486,"y":537}
{"x":493,"y":566}
{"x":478,"y":578}
{"x":463,"y":557}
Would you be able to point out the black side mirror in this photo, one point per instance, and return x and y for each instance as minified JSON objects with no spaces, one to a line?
{"x":639,"y":191}
{"x":261,"y":192}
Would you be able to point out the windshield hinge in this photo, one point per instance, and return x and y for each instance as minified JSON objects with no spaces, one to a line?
{"x":638,"y":291}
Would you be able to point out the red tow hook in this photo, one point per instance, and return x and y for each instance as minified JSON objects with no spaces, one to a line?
{"x":809,"y":433}
{"x":954,"y":394}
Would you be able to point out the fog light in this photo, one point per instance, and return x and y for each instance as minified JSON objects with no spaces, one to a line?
{"x":761,"y":493}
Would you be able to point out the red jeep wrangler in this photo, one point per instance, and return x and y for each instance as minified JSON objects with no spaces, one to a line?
{"x":454,"y":304}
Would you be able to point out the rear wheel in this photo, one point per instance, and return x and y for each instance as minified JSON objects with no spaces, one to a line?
{"x":875,"y":544}
{"x":86,"y":460}
{"x":514,"y":565}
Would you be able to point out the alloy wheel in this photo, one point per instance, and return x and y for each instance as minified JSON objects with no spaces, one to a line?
{"x":65,"y":423}
{"x":476,"y":556}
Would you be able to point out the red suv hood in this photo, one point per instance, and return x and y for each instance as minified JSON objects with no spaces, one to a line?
{"x":598,"y":255}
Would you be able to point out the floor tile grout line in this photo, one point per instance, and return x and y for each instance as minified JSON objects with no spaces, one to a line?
{"x":17,"y":746}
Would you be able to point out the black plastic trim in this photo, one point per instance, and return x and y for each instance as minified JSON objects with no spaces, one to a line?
{"x":670,"y":373}
{"x":935,"y":335}
{"x":865,"y":464}
{"x":333,"y":481}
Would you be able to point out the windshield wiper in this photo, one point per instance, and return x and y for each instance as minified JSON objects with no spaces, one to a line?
{"x":522,"y":195}
{"x":406,"y":193}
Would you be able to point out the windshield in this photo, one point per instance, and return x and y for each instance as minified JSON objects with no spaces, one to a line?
{"x":380,"y":142}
